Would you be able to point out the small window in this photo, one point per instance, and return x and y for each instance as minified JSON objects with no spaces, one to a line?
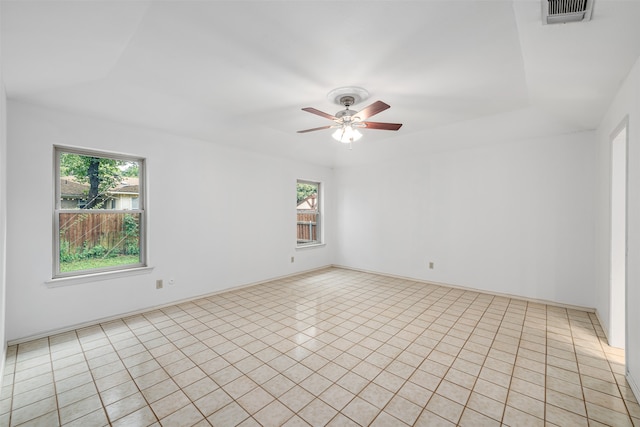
{"x":308,"y":210}
{"x":99,"y":216}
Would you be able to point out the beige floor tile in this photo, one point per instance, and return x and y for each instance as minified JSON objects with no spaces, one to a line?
{"x":445,"y":408}
{"x":186,"y":416}
{"x":429,"y":419}
{"x":515,"y":417}
{"x":113,"y":380}
{"x":603,"y":399}
{"x":33,"y":410}
{"x":361,"y":411}
{"x":336,"y":396}
{"x":373,"y":352}
{"x":96,"y":418}
{"x":376,"y":395}
{"x":294,"y":421}
{"x":607,"y":416}
{"x":315,"y":384}
{"x":486,"y":406}
{"x":32,"y":396}
{"x":403,"y":409}
{"x":274,"y":414}
{"x":213,"y":402}
{"x":415,"y":393}
{"x":384,"y":419}
{"x":47,"y":420}
{"x":453,"y":392}
{"x":262,"y":373}
{"x":566,"y":402}
{"x":526,"y":404}
{"x":297,"y":373}
{"x":239,"y":387}
{"x":79,"y":409}
{"x":562,"y":417}
{"x":527,"y":388}
{"x":633,"y":408}
{"x":471,"y":418}
{"x":125,"y":406}
{"x":528,"y":375}
{"x":489,"y":389}
{"x":296,"y":398}
{"x":255,"y":400}
{"x":317,"y":413}
{"x":278,"y":385}
{"x":170,"y":403}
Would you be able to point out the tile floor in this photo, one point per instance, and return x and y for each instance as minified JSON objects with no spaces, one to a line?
{"x":334,"y":347}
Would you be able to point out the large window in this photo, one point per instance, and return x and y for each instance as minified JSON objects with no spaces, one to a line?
{"x":308,"y":210}
{"x":99,"y":218}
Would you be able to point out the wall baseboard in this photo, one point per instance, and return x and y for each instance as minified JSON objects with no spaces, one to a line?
{"x":152,"y":308}
{"x":4,"y":361}
{"x":634,"y":385}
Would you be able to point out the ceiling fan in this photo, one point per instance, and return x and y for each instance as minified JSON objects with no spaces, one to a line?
{"x":347,"y":122}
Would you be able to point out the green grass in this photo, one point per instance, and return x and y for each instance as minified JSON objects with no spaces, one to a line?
{"x":91,"y":263}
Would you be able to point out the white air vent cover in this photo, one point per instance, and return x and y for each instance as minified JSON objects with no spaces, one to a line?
{"x":563,"y":11}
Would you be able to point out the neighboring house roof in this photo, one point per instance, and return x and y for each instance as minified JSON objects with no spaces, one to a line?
{"x":129,"y":181}
{"x":129,"y":189}
{"x":70,"y":188}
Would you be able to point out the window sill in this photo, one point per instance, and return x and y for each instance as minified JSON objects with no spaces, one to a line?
{"x":315,"y":245}
{"x":87,"y":278}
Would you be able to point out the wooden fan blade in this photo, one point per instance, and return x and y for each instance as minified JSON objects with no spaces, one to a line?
{"x":311,"y":130}
{"x":319,"y":113}
{"x":372,"y":109}
{"x":382,"y":126}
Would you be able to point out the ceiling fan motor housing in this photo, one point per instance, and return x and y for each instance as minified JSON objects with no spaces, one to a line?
{"x":347,"y":100}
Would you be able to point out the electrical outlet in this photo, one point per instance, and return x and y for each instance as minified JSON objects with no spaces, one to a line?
{"x":292,"y":258}
{"x":159,"y":284}
{"x":431,"y":265}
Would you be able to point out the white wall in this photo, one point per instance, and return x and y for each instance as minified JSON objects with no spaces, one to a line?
{"x":3,"y":217}
{"x":625,"y":105}
{"x":514,"y":218}
{"x":200,"y":232}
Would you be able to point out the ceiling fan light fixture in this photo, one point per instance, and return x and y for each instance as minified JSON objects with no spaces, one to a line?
{"x":347,"y":134}
{"x":347,"y":122}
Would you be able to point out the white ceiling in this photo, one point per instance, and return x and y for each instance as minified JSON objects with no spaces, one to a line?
{"x":238,"y":72}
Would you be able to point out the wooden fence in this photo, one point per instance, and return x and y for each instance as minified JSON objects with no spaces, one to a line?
{"x":88,"y":230}
{"x":307,"y":227}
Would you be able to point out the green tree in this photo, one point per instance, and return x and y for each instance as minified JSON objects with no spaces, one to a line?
{"x":305,"y":190}
{"x":100,"y":173}
{"x":130,"y":169}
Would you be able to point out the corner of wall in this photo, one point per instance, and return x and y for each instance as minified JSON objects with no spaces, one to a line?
{"x":3,"y":215}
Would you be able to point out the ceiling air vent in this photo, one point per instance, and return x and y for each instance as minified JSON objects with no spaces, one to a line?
{"x":563,"y":11}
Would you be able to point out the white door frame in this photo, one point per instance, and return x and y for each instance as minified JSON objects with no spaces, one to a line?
{"x":618,"y":220}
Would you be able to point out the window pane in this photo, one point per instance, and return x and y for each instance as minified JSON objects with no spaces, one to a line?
{"x":98,"y":240}
{"x":99,"y":212}
{"x":90,"y":182}
{"x":308,"y":213}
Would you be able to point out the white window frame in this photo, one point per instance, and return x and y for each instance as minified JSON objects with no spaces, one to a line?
{"x":319,"y":216}
{"x":57,"y":210}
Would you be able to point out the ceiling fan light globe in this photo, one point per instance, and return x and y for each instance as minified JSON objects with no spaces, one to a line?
{"x":346,"y":134}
